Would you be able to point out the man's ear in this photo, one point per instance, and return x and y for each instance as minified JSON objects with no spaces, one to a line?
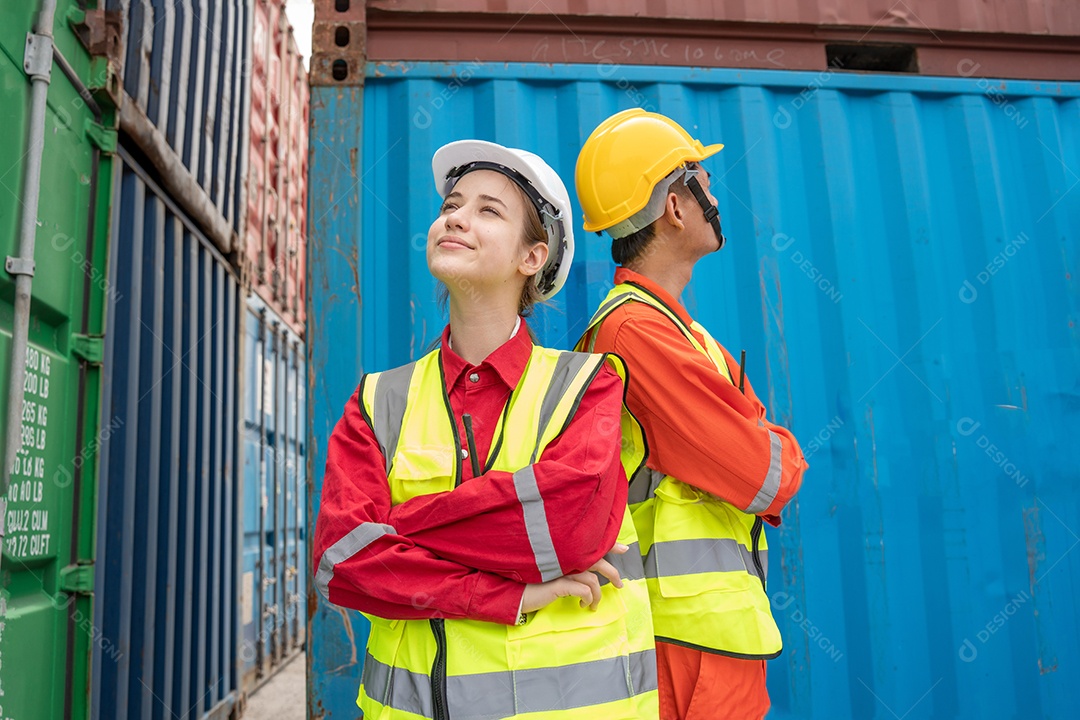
{"x":673,"y":211}
{"x":534,"y":260}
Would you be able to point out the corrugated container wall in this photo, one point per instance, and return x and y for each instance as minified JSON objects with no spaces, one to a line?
{"x":985,"y":38}
{"x":168,"y":507}
{"x":274,"y":581}
{"x":46,"y":615}
{"x":1039,"y":17}
{"x":901,"y":271}
{"x":185,"y":67}
{"x":276,"y":227}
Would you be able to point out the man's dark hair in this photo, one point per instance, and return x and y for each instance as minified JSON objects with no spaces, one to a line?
{"x":628,"y":249}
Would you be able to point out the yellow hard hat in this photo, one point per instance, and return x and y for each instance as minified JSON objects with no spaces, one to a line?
{"x":624,"y":158}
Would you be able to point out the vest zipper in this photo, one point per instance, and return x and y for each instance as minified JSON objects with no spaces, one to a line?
{"x":755,"y":538}
{"x":453,"y":426}
{"x":438,"y":671}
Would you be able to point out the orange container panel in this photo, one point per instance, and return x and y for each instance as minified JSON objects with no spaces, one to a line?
{"x":1034,"y":39}
{"x":1024,"y":17}
{"x":276,"y":231}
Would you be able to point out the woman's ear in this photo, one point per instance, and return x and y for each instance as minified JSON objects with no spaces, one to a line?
{"x":534,"y":260}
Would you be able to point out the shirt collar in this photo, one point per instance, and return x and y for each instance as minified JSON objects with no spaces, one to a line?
{"x":508,"y":360}
{"x":626,"y":275}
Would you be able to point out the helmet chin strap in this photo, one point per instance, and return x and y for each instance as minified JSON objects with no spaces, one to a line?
{"x":712,"y":213}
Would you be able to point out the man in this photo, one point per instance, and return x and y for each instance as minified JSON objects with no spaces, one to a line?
{"x":717,"y":468}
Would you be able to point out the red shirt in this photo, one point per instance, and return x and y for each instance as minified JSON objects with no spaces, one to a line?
{"x":699,"y":427}
{"x":465,"y":553}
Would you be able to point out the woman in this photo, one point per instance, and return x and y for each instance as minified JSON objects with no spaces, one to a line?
{"x":470,"y":495}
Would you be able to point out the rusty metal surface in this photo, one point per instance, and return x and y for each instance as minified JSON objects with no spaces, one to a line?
{"x":336,"y":637}
{"x":791,"y":36}
{"x":175,"y":177}
{"x":336,"y":59}
{"x":1037,"y":17}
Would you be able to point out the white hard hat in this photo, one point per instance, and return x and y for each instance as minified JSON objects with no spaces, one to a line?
{"x":539,"y":182}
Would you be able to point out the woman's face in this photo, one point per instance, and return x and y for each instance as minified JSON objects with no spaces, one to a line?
{"x":476,"y":242}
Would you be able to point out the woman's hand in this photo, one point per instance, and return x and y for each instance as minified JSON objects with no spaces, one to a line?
{"x":608,"y":570}
{"x":585,"y":585}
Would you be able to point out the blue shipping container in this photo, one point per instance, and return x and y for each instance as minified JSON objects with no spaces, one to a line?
{"x":187,"y":66}
{"x":900,"y":271}
{"x":274,"y":580}
{"x":165,"y":596}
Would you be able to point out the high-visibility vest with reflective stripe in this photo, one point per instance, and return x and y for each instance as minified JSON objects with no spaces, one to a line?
{"x":706,"y":561}
{"x":564,"y":662}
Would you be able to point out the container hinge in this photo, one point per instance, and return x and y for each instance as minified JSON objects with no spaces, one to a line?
{"x":77,"y":579}
{"x":19,"y":266}
{"x":99,"y":31}
{"x":37,"y":58}
{"x":90,"y":348}
{"x":102,"y":137}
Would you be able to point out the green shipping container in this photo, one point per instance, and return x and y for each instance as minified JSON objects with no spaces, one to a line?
{"x":46,"y":575}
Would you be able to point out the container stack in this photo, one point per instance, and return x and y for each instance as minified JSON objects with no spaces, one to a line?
{"x":276,"y":231}
{"x":153,"y":560}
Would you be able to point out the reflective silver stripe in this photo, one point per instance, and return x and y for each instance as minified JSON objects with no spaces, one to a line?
{"x":397,"y":687}
{"x":643,"y":671}
{"x":567,"y":367}
{"x":771,"y":486}
{"x":536,"y":524}
{"x":643,"y":485}
{"x":391,"y":394}
{"x":610,"y":305}
{"x":489,"y":696}
{"x":629,"y":564}
{"x":687,"y":557}
{"x":358,"y":539}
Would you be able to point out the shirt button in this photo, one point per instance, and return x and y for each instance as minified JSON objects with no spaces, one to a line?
{"x":475,"y":377}
{"x":464,"y":454}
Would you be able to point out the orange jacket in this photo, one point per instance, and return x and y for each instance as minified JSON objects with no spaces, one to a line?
{"x":700,"y":428}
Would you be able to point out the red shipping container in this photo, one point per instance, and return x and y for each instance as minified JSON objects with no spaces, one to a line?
{"x":275,"y":233}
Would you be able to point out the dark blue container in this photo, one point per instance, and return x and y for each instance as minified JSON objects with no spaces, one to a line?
{"x":168,"y":547}
{"x":187,"y":65}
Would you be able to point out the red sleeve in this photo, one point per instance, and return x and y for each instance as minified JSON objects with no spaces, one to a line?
{"x":700,"y":428}
{"x":363,"y":562}
{"x":553,"y":518}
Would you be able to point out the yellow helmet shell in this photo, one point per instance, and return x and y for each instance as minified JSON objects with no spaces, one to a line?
{"x":624,"y":158}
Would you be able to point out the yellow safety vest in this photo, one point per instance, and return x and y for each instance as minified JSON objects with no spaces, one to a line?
{"x":564,"y":662}
{"x":706,"y":561}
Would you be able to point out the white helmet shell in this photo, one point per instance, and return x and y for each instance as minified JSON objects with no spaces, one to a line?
{"x":447,"y":165}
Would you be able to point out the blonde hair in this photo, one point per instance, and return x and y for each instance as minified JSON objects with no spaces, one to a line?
{"x":533,"y":233}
